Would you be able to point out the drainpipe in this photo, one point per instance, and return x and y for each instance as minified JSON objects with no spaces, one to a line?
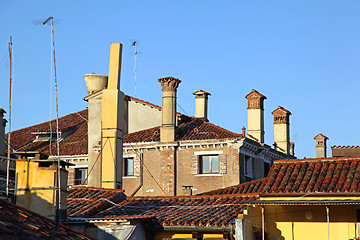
{"x":141,"y":176}
{"x":263,"y":222}
{"x":328,"y":221}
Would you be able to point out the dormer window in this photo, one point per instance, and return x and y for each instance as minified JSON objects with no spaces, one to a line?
{"x":45,"y":136}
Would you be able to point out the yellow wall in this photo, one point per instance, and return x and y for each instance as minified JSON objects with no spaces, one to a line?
{"x":36,"y":188}
{"x":304,"y":222}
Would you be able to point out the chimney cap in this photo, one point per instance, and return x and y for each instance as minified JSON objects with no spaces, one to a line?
{"x":321,"y":137}
{"x":256,"y":94}
{"x":281,"y":110}
{"x":201,"y":92}
{"x":169,"y":83}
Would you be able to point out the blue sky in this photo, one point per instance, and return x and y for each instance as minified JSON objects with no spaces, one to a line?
{"x":302,"y":55}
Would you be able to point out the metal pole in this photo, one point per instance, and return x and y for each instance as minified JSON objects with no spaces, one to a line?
{"x":135,"y":66}
{"x":8,"y":151}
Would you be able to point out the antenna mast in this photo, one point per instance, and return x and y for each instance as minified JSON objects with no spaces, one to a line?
{"x":8,"y":150}
{"x":57,"y":118}
{"x":135,"y":53}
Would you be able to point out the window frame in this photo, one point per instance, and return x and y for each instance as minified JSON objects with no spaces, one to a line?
{"x":125,"y":164}
{"x":198,"y":159}
{"x":77,"y":172}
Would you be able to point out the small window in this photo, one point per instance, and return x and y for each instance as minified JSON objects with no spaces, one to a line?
{"x":209,"y":164}
{"x":80,"y":176}
{"x":248,"y":166}
{"x":128,"y":167}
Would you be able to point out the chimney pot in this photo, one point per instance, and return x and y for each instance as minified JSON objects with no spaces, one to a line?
{"x":321,"y":145}
{"x":95,"y":82}
{"x":282,"y":130}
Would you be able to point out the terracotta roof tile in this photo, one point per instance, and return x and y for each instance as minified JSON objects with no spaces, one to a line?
{"x":87,"y":201}
{"x":196,"y":129}
{"x":185,"y":211}
{"x":74,"y":144}
{"x":243,"y":188}
{"x":331,"y":175}
{"x":19,"y":223}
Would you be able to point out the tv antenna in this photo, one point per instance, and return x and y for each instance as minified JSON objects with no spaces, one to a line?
{"x":135,"y":54}
{"x":51,"y":20}
{"x":8,"y":149}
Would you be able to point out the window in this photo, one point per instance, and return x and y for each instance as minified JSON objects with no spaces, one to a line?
{"x":248,"y":166}
{"x":209,"y":164}
{"x":80,"y":176}
{"x":128,"y":166}
{"x":266,"y":168}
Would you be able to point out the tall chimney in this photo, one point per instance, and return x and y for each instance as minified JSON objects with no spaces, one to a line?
{"x":256,"y":116}
{"x":201,"y":104}
{"x":168,"y":127}
{"x":292,"y":148}
{"x":95,"y":83}
{"x":112,"y":123}
{"x":282,"y":129}
{"x":2,"y":132}
{"x":321,"y":145}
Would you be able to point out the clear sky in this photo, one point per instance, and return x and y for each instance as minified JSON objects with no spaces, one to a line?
{"x":302,"y":55}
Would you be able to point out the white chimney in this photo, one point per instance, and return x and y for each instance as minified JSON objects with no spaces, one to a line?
{"x":201,"y":104}
{"x":256,"y":116}
{"x":282,"y":129}
{"x":321,"y":145}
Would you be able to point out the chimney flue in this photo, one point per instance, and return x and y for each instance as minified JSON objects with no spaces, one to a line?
{"x":201,"y":104}
{"x":168,"y":127}
{"x":282,"y":129}
{"x":256,"y":116}
{"x":321,"y":145}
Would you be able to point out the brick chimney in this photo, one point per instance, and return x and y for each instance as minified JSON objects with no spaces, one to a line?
{"x":201,"y":104}
{"x":112,"y":123}
{"x":2,"y":132}
{"x":321,"y":145}
{"x":168,"y":127}
{"x":282,"y":130}
{"x":256,"y":116}
{"x":95,"y":83}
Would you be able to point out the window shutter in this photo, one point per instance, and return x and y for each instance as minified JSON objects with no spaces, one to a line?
{"x":137,"y":165}
{"x":222,"y":163}
{"x":194,"y":165}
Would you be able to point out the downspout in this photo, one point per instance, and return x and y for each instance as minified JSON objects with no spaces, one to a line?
{"x":141,"y":176}
{"x":328,"y":221}
{"x":263,"y":222}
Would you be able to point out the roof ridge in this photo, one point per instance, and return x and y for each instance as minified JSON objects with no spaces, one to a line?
{"x":192,"y":196}
{"x":347,"y":158}
{"x":222,"y":128}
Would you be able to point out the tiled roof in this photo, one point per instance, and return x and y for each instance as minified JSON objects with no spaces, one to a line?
{"x":329,"y":175}
{"x":87,"y":201}
{"x":243,"y":188}
{"x":182,"y":211}
{"x":74,"y":144}
{"x":196,"y":129}
{"x":19,"y":223}
{"x":345,"y":146}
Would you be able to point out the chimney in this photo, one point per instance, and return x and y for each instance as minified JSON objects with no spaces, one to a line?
{"x":321,"y":145}
{"x":282,"y":130}
{"x":292,"y":148}
{"x":256,"y":116}
{"x":187,"y":190}
{"x":2,"y":132}
{"x":168,"y":127}
{"x":95,"y":83}
{"x":201,"y":104}
{"x":112,"y":123}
